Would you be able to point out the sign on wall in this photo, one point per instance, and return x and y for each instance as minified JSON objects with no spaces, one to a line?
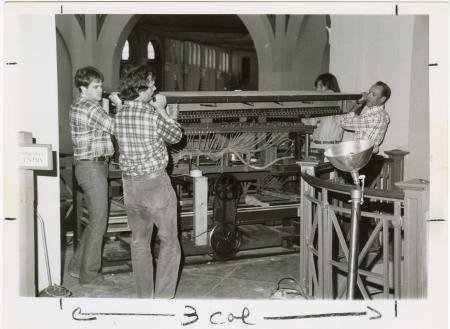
{"x":35,"y":156}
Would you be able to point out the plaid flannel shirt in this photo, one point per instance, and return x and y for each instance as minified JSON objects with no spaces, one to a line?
{"x":142,"y":135}
{"x":371,"y":124}
{"x":91,"y":128}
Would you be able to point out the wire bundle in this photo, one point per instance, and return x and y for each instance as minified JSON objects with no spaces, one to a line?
{"x":242,"y":144}
{"x":273,"y":182}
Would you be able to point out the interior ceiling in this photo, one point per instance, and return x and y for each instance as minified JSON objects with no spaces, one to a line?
{"x":226,"y":31}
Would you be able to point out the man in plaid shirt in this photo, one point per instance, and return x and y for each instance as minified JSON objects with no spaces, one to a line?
{"x":373,"y":121}
{"x":143,"y":128}
{"x":370,"y":124}
{"x":91,"y":128}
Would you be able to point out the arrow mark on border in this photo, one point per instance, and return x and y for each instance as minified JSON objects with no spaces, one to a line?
{"x":327,"y":315}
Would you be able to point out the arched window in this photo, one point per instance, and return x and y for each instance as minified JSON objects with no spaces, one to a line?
{"x":126,"y":51}
{"x":150,"y":51}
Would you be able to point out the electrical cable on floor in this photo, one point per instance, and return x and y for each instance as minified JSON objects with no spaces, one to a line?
{"x":295,"y":289}
{"x":200,"y":234}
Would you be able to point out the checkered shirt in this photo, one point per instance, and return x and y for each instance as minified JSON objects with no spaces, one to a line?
{"x":91,"y":128}
{"x":371,"y":124}
{"x":142,"y":135}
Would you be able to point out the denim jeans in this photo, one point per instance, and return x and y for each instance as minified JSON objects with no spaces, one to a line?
{"x":150,"y":200}
{"x":87,"y":259}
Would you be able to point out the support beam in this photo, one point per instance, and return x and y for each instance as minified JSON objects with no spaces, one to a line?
{"x":305,"y":222}
{"x":200,"y":210}
{"x":28,"y":283}
{"x":414,"y":279}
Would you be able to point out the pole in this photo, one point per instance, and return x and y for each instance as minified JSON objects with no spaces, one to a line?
{"x":307,"y":146}
{"x":354,"y":242}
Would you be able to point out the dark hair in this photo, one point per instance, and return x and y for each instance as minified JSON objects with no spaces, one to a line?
{"x":329,"y":81}
{"x":124,"y":69}
{"x":135,"y":81}
{"x":85,"y":75}
{"x":386,"y":90}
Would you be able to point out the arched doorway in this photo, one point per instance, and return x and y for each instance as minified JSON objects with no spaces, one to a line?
{"x":288,"y":52}
{"x":193,"y":52}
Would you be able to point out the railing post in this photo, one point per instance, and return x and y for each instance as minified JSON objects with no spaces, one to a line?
{"x":397,"y":224}
{"x":414,"y":280}
{"x":304,"y":212}
{"x":397,"y":167}
{"x":327,"y":246}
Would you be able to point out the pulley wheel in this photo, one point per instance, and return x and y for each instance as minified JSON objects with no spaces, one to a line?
{"x":225,"y":240}
{"x":227,"y":187}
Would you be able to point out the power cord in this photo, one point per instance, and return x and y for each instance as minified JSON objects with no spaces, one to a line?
{"x":293,"y":289}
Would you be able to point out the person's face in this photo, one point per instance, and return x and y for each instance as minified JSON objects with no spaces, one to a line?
{"x":374,"y":97}
{"x":146,"y":95}
{"x":93,"y":91}
{"x":320,"y":86}
{"x":151,"y":84}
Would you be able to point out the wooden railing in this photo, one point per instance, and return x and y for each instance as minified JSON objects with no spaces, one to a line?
{"x":396,"y":269}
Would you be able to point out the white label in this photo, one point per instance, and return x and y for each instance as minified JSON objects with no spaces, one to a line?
{"x":35,"y":156}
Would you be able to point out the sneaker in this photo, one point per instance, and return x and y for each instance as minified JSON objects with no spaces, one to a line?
{"x":98,"y":281}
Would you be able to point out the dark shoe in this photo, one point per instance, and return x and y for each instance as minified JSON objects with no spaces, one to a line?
{"x":98,"y":281}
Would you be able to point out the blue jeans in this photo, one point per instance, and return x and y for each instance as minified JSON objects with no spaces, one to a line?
{"x":93,"y":179}
{"x":150,"y":200}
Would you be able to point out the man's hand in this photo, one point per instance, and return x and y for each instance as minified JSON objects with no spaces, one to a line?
{"x":363,"y":98}
{"x":172,"y":111}
{"x":115,"y":99}
{"x":159,"y":102}
{"x":357,"y":106}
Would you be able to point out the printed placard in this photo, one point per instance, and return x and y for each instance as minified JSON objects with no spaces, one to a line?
{"x":35,"y":156}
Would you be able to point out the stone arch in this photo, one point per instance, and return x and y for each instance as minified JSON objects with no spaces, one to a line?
{"x":68,"y":28}
{"x":281,"y":56}
{"x":115,"y":31}
{"x":263,"y":42}
{"x":262,"y":34}
{"x":310,"y":48}
{"x":258,"y":26}
{"x":73,"y":37}
{"x":65,"y":92}
{"x":284,"y":44}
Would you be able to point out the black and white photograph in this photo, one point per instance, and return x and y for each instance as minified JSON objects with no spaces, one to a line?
{"x":203,"y":164}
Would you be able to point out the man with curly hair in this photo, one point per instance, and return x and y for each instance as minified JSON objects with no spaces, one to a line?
{"x":143,"y":128}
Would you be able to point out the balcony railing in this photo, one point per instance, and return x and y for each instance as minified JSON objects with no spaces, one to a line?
{"x":392,"y":258}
